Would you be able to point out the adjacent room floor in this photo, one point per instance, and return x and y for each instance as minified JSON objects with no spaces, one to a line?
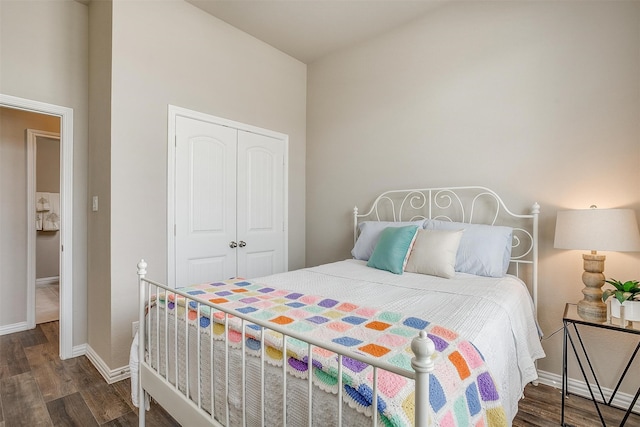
{"x":47,"y":302}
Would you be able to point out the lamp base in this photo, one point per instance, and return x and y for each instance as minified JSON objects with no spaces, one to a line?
{"x":591,"y":306}
{"x":592,"y":312}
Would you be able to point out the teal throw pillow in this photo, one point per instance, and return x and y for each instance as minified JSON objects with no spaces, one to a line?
{"x":393,"y":248}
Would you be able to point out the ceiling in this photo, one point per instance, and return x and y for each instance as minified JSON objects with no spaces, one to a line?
{"x":309,"y":29}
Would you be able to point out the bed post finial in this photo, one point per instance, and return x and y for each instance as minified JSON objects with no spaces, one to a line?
{"x":535,"y":209}
{"x":422,"y":364}
{"x":142,"y":268}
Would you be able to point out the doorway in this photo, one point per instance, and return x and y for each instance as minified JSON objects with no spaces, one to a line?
{"x":21,"y":293}
{"x":43,"y":151}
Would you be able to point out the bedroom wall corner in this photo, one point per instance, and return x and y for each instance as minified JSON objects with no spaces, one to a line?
{"x":99,"y":232}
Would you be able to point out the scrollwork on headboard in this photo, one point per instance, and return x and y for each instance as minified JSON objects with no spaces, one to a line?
{"x":477,"y":205}
{"x":409,"y":205}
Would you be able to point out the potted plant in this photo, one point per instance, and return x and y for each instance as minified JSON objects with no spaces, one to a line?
{"x":626,"y":294}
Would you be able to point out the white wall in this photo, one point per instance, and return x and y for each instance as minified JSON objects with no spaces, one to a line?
{"x":170,"y":52}
{"x":537,"y":100}
{"x":44,"y":50}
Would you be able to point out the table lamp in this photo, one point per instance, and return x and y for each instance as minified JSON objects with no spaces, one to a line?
{"x":596,"y":230}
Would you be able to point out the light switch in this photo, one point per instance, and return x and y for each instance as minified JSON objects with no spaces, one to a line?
{"x":94,"y":205}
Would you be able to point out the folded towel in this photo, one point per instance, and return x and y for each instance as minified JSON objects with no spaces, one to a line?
{"x":52,"y":218}
{"x":42,"y":202}
{"x":39,"y":220}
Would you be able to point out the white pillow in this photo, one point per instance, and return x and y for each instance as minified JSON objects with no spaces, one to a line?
{"x":485,"y":250}
{"x":370,"y":233}
{"x":434,"y":253}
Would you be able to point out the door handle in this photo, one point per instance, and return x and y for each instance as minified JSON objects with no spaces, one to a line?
{"x":242,"y":244}
{"x":233,"y":245}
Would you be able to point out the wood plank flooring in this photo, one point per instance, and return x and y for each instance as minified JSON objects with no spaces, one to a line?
{"x":542,"y":406}
{"x":39,"y":389}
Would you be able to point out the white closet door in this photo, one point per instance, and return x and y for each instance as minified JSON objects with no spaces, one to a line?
{"x":205,"y":201}
{"x":260,"y":205}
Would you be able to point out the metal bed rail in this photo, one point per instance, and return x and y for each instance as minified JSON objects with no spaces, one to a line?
{"x":188,"y":408}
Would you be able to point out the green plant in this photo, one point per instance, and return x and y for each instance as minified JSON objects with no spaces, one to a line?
{"x":627,"y":291}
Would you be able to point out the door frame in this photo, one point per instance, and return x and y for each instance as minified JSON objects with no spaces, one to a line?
{"x":173,"y":113}
{"x":66,"y":219}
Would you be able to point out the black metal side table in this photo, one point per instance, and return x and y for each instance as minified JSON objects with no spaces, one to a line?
{"x":572,"y":319}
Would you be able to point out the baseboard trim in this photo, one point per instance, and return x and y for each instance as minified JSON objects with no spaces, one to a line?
{"x":110,"y":375}
{"x":44,"y":281}
{"x":79,"y":350}
{"x":13,"y":328}
{"x":579,"y":388}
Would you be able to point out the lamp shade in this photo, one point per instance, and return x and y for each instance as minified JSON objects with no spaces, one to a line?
{"x":597,"y":230}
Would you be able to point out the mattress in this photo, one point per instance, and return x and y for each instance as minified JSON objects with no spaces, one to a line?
{"x":496,"y":315}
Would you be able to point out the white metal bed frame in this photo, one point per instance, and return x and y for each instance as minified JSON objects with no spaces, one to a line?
{"x":397,"y":205}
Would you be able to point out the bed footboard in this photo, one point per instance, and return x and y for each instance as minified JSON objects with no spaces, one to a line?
{"x":184,"y":394}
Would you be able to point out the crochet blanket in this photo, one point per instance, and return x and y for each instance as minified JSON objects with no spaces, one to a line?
{"x":461,"y":389}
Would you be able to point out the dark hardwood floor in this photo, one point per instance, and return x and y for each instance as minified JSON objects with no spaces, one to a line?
{"x":39,"y":389}
{"x":542,"y":407}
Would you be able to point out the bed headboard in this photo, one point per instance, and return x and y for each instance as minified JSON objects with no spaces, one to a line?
{"x":475,"y":205}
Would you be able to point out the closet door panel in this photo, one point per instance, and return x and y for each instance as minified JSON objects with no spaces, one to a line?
{"x":260,"y":213}
{"x":205,"y":201}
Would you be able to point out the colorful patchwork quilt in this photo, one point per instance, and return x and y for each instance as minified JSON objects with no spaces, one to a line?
{"x":461,"y":389}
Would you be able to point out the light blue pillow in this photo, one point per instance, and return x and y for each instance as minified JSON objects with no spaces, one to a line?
{"x":485,"y":250}
{"x":370,"y":233}
{"x":393,"y":248}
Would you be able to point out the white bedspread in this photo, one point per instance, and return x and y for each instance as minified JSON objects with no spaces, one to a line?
{"x":496,"y":315}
